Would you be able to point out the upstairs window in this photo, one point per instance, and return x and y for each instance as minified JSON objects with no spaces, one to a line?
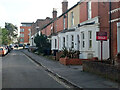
{"x":72,"y":19}
{"x":64,"y":22}
{"x":21,"y":40}
{"x":21,"y":30}
{"x":21,"y":35}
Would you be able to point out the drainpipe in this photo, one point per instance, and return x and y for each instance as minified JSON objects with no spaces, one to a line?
{"x":110,"y":53}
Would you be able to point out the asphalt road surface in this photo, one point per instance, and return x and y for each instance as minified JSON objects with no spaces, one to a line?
{"x":18,"y":71}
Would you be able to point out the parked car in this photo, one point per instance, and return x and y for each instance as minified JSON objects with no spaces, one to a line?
{"x":3,"y":51}
{"x":32,"y":48}
{"x":9,"y":48}
{"x":27,"y":46}
{"x":20,"y":46}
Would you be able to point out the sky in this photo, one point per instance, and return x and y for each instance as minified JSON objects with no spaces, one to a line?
{"x":17,"y":11}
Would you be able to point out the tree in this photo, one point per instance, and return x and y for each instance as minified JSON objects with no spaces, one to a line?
{"x":4,"y":38}
{"x":12,"y":30}
{"x":42,"y":43}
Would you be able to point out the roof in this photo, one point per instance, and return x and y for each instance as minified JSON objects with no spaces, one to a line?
{"x":27,"y":23}
{"x":61,"y":15}
{"x":68,"y":30}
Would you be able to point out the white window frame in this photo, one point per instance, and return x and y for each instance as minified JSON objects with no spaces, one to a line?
{"x":21,"y":30}
{"x":90,"y":39}
{"x":21,"y":35}
{"x":63,"y":42}
{"x":72,"y":19}
{"x":72,"y":41}
{"x":83,"y":39}
{"x":118,"y":37}
{"x":67,"y":40}
{"x":55,"y":43}
{"x":78,"y":40}
{"x":64,"y":23}
{"x":22,"y":40}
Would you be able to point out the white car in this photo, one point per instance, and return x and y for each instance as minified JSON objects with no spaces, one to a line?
{"x":3,"y":51}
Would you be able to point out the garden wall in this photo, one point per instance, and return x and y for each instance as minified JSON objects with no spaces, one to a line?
{"x":105,"y":70}
{"x":67,"y":61}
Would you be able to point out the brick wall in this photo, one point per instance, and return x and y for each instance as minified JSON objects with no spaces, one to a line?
{"x":102,"y":69}
{"x":115,"y":15}
{"x":26,"y":32}
{"x":40,"y":23}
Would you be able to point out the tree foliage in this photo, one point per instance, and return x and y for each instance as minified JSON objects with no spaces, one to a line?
{"x":4,"y":37}
{"x":12,"y":30}
{"x":8,"y":33}
{"x":42,"y":43}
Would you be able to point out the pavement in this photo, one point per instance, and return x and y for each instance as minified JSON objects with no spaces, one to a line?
{"x":73,"y":74}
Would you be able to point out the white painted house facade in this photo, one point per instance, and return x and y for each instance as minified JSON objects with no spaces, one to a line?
{"x":82,"y":38}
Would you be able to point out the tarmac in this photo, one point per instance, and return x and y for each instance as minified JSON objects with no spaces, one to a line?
{"x":73,"y":74}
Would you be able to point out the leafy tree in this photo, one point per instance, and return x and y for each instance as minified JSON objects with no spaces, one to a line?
{"x":42,"y":43}
{"x":12,"y":30}
{"x":4,"y":38}
{"x":0,"y":36}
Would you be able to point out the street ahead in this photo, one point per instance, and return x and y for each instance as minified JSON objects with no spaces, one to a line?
{"x":18,"y":71}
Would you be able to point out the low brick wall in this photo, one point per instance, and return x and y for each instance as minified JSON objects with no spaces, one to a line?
{"x":67,"y":61}
{"x":102,"y":69}
{"x":58,"y":55}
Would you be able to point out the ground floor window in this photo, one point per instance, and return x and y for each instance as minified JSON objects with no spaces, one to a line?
{"x":55,"y":43}
{"x":72,"y":41}
{"x":90,"y":39}
{"x":78,"y":40}
{"x":83,"y":39}
{"x":63,"y":41}
{"x":118,"y":37}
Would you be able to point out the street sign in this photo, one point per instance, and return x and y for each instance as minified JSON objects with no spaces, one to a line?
{"x":101,"y":36}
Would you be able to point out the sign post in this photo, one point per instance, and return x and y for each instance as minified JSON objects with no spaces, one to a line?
{"x":101,"y":36}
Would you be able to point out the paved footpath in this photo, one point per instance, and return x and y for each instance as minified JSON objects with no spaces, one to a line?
{"x":73,"y":74}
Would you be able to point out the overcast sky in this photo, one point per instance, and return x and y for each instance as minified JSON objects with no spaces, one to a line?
{"x":17,"y":11}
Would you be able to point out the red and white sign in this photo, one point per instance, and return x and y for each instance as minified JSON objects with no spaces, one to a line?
{"x":101,"y":36}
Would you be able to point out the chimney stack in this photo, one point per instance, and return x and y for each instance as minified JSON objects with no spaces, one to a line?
{"x":54,"y":13}
{"x":64,"y":6}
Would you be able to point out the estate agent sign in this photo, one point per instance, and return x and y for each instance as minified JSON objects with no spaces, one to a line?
{"x":101,"y":36}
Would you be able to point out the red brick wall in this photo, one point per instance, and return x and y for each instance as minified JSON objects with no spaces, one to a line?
{"x":48,"y":30}
{"x":114,"y":15}
{"x":67,"y":61}
{"x":26,"y":32}
{"x":94,"y":9}
{"x":60,"y":24}
{"x":103,"y":9}
{"x":83,"y":12}
{"x":40,"y":23}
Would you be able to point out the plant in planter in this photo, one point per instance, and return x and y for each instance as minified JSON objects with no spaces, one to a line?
{"x":70,"y":53}
{"x":65,"y":52}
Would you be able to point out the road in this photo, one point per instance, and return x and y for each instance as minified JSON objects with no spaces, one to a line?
{"x":18,"y":71}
